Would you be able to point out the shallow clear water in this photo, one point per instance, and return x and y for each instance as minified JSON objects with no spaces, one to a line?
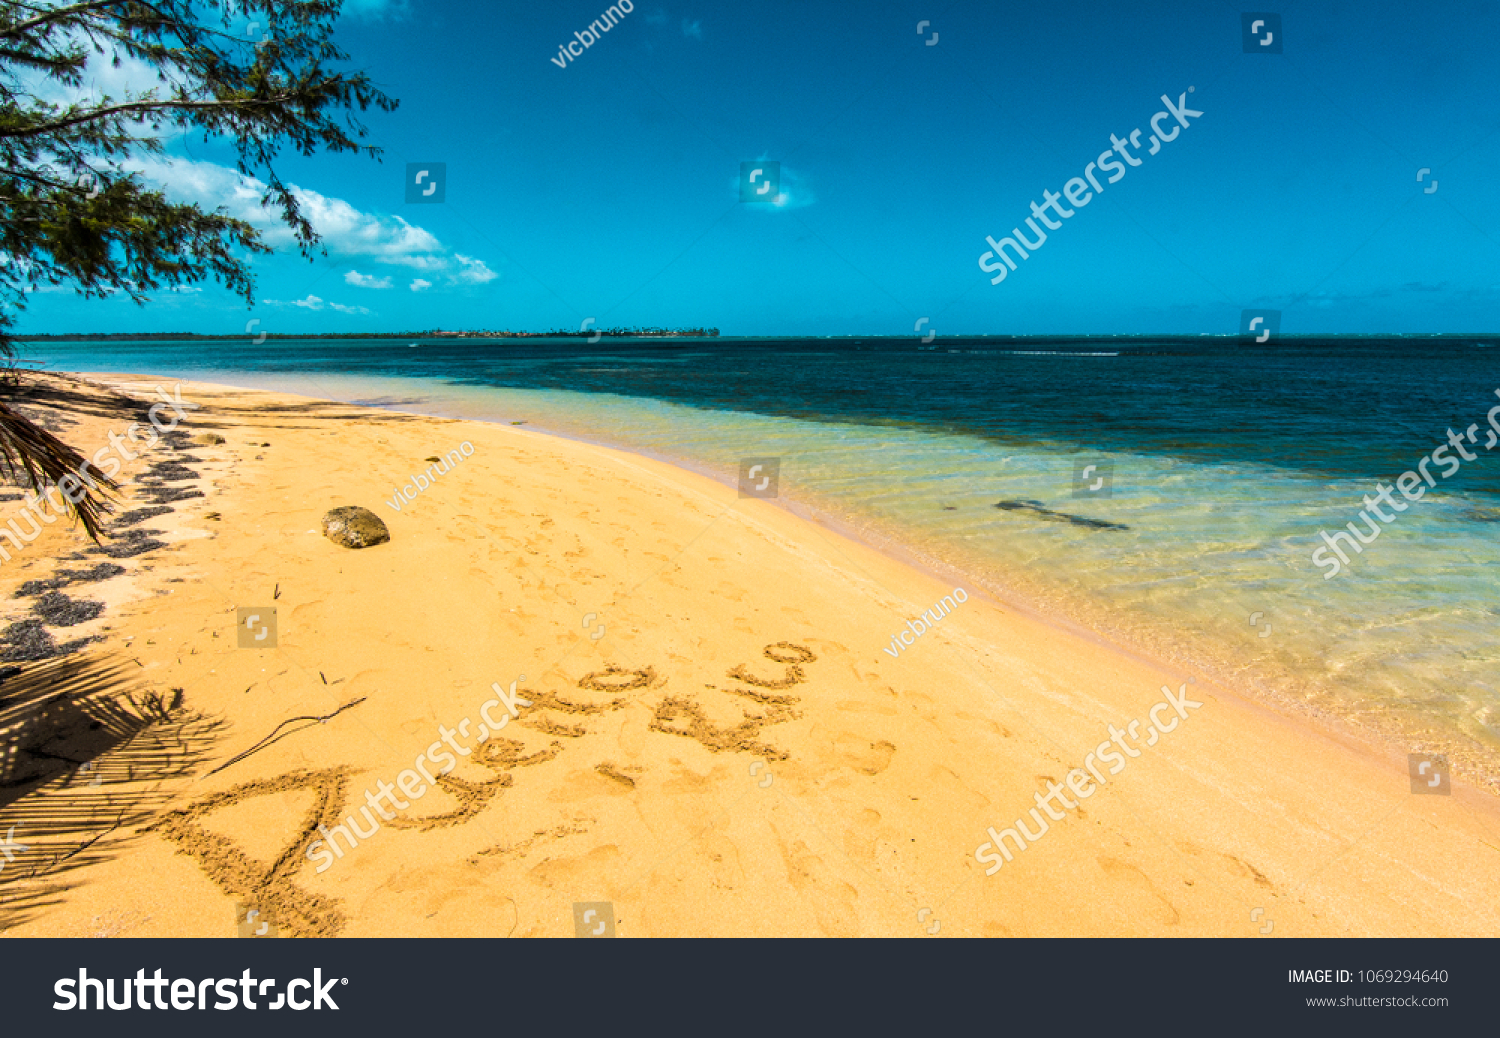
{"x":1226,"y":461}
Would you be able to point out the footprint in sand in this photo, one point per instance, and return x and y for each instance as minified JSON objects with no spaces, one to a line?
{"x":578,"y":872}
{"x":831,"y":899}
{"x":1245,"y":870}
{"x":839,"y":749}
{"x":733,"y":592}
{"x":1161,"y":909}
{"x":862,"y":836}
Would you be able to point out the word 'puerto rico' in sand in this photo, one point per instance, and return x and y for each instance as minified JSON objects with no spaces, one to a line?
{"x":411,"y":783}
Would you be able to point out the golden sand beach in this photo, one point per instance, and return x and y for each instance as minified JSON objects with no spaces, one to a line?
{"x":709,"y":736}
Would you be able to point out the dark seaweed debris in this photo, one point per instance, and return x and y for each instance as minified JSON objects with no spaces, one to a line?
{"x":64,"y":577}
{"x":169,"y":472}
{"x":130,"y":544}
{"x":1035,"y":508}
{"x":58,"y":610}
{"x":164,"y":495}
{"x":28,"y":641}
{"x":140,"y":515}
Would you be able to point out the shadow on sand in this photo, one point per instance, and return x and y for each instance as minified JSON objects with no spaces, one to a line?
{"x":86,"y":754}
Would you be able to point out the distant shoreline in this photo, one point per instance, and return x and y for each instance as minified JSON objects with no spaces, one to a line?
{"x":1174,"y":338}
{"x":610,"y":333}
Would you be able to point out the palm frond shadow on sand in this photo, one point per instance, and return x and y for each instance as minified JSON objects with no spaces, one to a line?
{"x":86,"y":755}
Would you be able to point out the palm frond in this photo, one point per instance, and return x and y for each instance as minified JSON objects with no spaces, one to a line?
{"x":25,"y":447}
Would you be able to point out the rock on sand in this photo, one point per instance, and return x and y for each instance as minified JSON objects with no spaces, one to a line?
{"x":354,"y":527}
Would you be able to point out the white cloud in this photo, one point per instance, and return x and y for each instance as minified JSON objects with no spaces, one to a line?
{"x":313,"y":302}
{"x":472,"y":272}
{"x":417,"y":284}
{"x":692,"y":30}
{"x":354,"y":277}
{"x":387,"y":239}
{"x":345,"y":230}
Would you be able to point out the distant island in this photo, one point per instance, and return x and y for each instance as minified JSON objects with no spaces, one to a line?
{"x":435,"y":333}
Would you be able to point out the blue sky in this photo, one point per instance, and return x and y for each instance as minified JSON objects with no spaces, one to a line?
{"x":609,"y":188}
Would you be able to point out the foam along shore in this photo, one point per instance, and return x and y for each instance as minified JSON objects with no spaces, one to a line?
{"x":713,"y":741}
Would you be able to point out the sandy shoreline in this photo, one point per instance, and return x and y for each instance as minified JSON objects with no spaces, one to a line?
{"x":723,"y":747}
